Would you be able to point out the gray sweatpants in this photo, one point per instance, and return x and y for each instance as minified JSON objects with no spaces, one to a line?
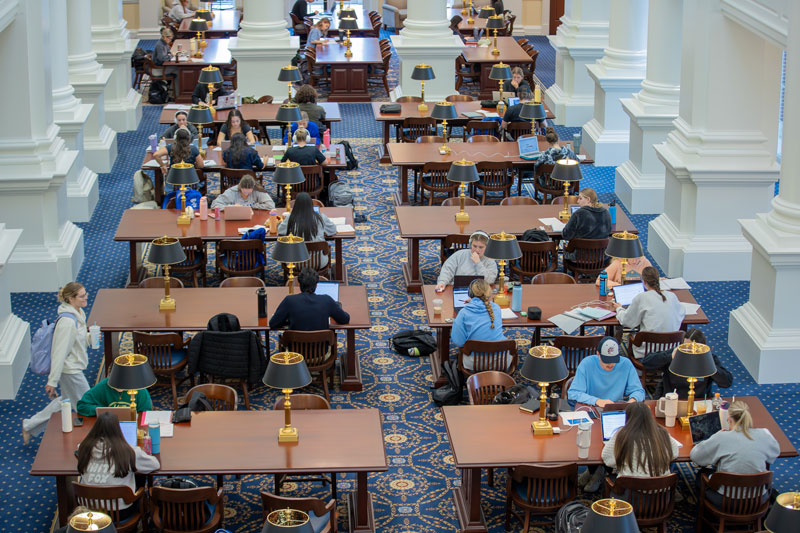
{"x":73,"y":387}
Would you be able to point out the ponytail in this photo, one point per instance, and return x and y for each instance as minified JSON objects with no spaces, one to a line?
{"x":650,"y":276}
{"x":481,"y":289}
{"x":739,"y":412}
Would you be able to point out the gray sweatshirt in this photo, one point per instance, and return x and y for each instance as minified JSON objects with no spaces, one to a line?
{"x":733,"y":452}
{"x":649,"y":312}
{"x":68,"y":354}
{"x":256,"y":200}
{"x":460,"y":264}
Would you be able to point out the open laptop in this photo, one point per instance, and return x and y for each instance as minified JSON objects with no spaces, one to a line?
{"x":460,"y":297}
{"x":123,"y":414}
{"x":129,"y":432}
{"x":574,"y":208}
{"x":611,"y":422}
{"x":529,"y":147}
{"x":331,"y":288}
{"x":226,"y":102}
{"x":496,"y":95}
{"x":624,"y":294}
{"x":703,"y":426}
{"x":238,"y":212}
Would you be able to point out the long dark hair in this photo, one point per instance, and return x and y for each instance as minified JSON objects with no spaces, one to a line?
{"x":238,"y":149}
{"x":116,"y":451}
{"x":642,"y":440}
{"x":182,"y":147}
{"x":233,"y":113}
{"x":304,"y":221}
{"x":650,"y":276}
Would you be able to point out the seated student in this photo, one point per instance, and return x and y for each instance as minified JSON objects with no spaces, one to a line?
{"x":182,"y":150}
{"x":519,"y":85}
{"x":469,"y":262}
{"x":104,"y":395}
{"x":308,"y":311}
{"x":307,"y":223}
{"x":181,"y":123}
{"x":479,"y":320}
{"x":633,"y":269}
{"x":242,"y":156}
{"x":235,"y":124}
{"x":669,"y":382}
{"x":300,"y":10}
{"x":310,"y":127}
{"x":302,"y":153}
{"x":200,"y":93}
{"x":106,"y":459}
{"x":162,"y":52}
{"x":181,"y":10}
{"x":319,"y":31}
{"x":742,"y":449}
{"x":248,"y":193}
{"x":554,"y":151}
{"x":591,"y":221}
{"x":306,"y":100}
{"x":652,"y":310}
{"x":512,"y":113}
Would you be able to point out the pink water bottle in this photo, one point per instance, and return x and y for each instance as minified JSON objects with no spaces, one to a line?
{"x":326,"y":138}
{"x":203,"y":208}
{"x":216,"y":213}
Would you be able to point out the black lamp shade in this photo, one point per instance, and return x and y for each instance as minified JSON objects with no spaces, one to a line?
{"x":567,"y":170}
{"x":348,"y":23}
{"x":444,"y":111}
{"x":182,"y":174}
{"x":503,"y":246}
{"x":624,"y":246}
{"x":210,"y":75}
{"x":486,"y":12}
{"x":495,"y":22}
{"x":204,"y":14}
{"x":544,"y":364}
{"x":288,"y":113}
{"x":500,"y":71}
{"x":199,"y":114}
{"x":532,"y":111}
{"x":785,"y":514}
{"x":198,"y":25}
{"x":463,"y":172}
{"x":347,"y":13}
{"x":290,"y":249}
{"x":422,"y":72}
{"x":166,"y":251}
{"x":289,"y":73}
{"x":287,"y":370}
{"x":91,"y":521}
{"x":693,"y":360}
{"x":610,"y":516}
{"x":288,"y":173}
{"x":131,"y":372}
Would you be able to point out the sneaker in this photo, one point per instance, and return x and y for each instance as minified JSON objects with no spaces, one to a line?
{"x":26,"y":436}
{"x":584,"y":478}
{"x":597,"y":479}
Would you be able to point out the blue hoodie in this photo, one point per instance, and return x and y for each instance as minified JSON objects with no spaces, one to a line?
{"x":472,"y":323}
{"x":592,"y":382}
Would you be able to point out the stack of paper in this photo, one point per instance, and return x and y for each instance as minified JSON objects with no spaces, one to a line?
{"x":210,"y":163}
{"x":568,"y":322}
{"x":554,"y":223}
{"x":507,"y":314}
{"x":151,"y":164}
{"x":345,"y":228}
{"x":339,"y":221}
{"x":596,"y":313}
{"x":164,"y":419}
{"x":674,"y":284}
{"x":690,"y":309}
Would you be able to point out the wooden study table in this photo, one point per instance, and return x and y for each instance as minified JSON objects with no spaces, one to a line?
{"x":417,"y":223}
{"x":511,"y":53}
{"x":263,"y":113}
{"x":249,"y":440}
{"x":224,"y":24}
{"x":216,"y":54}
{"x":500,"y":436}
{"x":362,"y":20}
{"x":551,"y":299}
{"x":144,"y":225}
{"x":349,"y":74}
{"x":122,"y":310}
{"x":464,"y":27}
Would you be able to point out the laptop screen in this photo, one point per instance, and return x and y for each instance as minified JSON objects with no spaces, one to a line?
{"x":624,"y":294}
{"x":460,"y":297}
{"x":129,"y":432}
{"x":611,"y":422}
{"x":328,"y":287}
{"x":703,"y":426}
{"x":528,"y":144}
{"x":574,"y":208}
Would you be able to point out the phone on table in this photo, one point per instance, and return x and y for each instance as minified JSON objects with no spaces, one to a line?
{"x":77,"y":421}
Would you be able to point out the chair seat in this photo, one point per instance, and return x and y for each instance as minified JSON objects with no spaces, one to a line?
{"x":177,"y":357}
{"x":318,"y":523}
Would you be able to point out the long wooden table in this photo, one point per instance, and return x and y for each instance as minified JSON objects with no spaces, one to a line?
{"x":224,"y":24}
{"x":250,"y":444}
{"x":144,"y":225}
{"x":464,"y":26}
{"x":216,"y":53}
{"x":263,"y":113}
{"x":551,"y":299}
{"x":122,"y":310}
{"x":349,"y":75}
{"x":417,"y":223}
{"x":500,"y":436}
{"x":511,"y":53}
{"x":362,"y":21}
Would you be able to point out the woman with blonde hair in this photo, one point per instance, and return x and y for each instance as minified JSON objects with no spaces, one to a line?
{"x":68,"y":358}
{"x":319,"y":31}
{"x":591,"y":221}
{"x":479,"y":320}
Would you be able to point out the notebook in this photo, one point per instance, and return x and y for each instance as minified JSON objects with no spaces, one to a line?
{"x":331,"y":288}
{"x":611,"y":422}
{"x":528,"y":147}
{"x":624,"y":294}
{"x":129,"y":432}
{"x":703,"y":426}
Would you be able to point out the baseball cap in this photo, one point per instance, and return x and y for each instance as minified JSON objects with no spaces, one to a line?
{"x":608,"y":350}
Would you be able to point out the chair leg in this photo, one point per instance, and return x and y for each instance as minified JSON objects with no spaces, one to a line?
{"x":246,"y":395}
{"x":490,"y":475}
{"x":278,"y":479}
{"x":526,"y":526}
{"x":333,"y":485}
{"x":325,"y":385}
{"x":174,"y":391}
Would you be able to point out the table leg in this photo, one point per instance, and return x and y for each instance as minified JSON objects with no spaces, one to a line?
{"x":383,"y":151}
{"x":158,"y":193}
{"x":468,"y":502}
{"x":440,"y":355}
{"x":411,"y":270}
{"x":337,"y":243}
{"x":351,"y":368}
{"x":133,"y":280}
{"x":63,"y":500}
{"x":108,"y":350}
{"x":401,"y":196}
{"x":361,"y":512}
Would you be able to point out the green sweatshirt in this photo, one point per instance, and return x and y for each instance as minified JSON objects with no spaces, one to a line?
{"x":102,"y":395}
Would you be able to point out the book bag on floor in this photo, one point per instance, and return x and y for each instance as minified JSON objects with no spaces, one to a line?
{"x":452,"y":392}
{"x":407,"y":339}
{"x":340,"y":194}
{"x":42,"y":345}
{"x":352,"y":162}
{"x":570,"y":517}
{"x":158,"y":93}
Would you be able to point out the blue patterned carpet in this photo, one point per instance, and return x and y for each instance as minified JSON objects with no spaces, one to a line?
{"x":414,"y":495}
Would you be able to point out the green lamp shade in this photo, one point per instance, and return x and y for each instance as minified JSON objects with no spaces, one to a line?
{"x":289,"y":73}
{"x":182,"y":174}
{"x":693,"y":360}
{"x":91,"y":521}
{"x":486,"y":12}
{"x":290,"y":249}
{"x":532,"y":111}
{"x":624,"y":246}
{"x":495,"y":22}
{"x":204,"y":14}
{"x":610,"y":516}
{"x":131,"y":372}
{"x":544,"y":364}
{"x":567,"y":170}
{"x":500,"y":71}
{"x":210,"y":75}
{"x":288,"y":113}
{"x":287,"y":521}
{"x":463,"y":172}
{"x":199,"y":114}
{"x":166,"y":251}
{"x":198,"y":25}
{"x":503,"y":246}
{"x":444,"y":111}
{"x":785,"y":514}
{"x":286,"y":370}
{"x":348,"y":23}
{"x":288,"y":173}
{"x":422,"y":72}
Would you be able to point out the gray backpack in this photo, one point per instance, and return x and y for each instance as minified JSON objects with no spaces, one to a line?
{"x":571,"y":517}
{"x":340,"y":194}
{"x":142,"y":188}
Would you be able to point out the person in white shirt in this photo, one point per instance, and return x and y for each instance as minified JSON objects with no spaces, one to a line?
{"x":181,"y":11}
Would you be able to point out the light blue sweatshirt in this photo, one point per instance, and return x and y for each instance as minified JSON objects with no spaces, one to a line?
{"x":473,"y":323}
{"x":592,"y":382}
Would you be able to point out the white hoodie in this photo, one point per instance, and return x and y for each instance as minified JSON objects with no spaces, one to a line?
{"x":68,"y":354}
{"x":98,"y":471}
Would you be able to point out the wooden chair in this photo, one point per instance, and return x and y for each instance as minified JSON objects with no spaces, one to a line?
{"x":483,"y":139}
{"x":317,"y":251}
{"x":196,"y":259}
{"x":464,"y":73}
{"x":652,"y":342}
{"x":510,"y":19}
{"x":743,"y":500}
{"x":652,"y":498}
{"x":433,"y":179}
{"x":484,"y":386}
{"x":552,"y":278}
{"x":266,"y":99}
{"x":481,"y":127}
{"x":537,"y":258}
{"x":589,"y":259}
{"x":139,"y":70}
{"x":459,"y":98}
{"x":380,"y":75}
{"x":325,"y":511}
{"x":243,"y":281}
{"x":229,"y":74}
{"x":453,"y":243}
{"x":539,"y":490}
{"x":175,"y":510}
{"x":488,"y":355}
{"x":495,"y":176}
{"x":166,"y":353}
{"x":576,"y":348}
{"x":240,"y":258}
{"x":157,"y":282}
{"x":531,"y":69}
{"x":106,"y":498}
{"x":433,"y":139}
{"x":415,"y":99}
{"x":518,"y":200}
{"x":319,"y":349}
{"x":221,"y":397}
{"x":561,"y":200}
{"x":228,"y":177}
{"x":314,"y":181}
{"x":314,"y":202}
{"x":522,"y":42}
{"x":455,"y":200}
{"x":515,"y":130}
{"x":316,"y":75}
{"x":414,"y":127}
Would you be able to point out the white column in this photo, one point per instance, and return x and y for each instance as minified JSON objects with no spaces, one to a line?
{"x":70,"y":114}
{"x":89,"y":79}
{"x":15,"y":338}
{"x":617,"y":75}
{"x":262,"y":47}
{"x":720,"y":158}
{"x":113,"y":46}
{"x":639,"y":181}
{"x":426,"y":38}
{"x":764,"y":332}
{"x":579,"y":41}
{"x":34,"y":161}
{"x":149,"y":19}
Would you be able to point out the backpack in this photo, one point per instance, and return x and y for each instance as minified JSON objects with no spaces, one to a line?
{"x":138,"y":56}
{"x":352,"y":162}
{"x":535,"y":235}
{"x":192,"y":199}
{"x":158,"y":93}
{"x":452,"y":392}
{"x":423,"y":341}
{"x":570,"y":517}
{"x":42,"y":344}
{"x":142,"y":188}
{"x":340,"y":194}
{"x":517,"y":394}
{"x":259,"y":234}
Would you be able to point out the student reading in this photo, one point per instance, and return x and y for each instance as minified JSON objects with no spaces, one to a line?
{"x":469,"y":262}
{"x":479,"y":320}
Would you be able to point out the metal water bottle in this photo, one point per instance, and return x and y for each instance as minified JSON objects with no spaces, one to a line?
{"x":262,"y":302}
{"x":603,"y":283}
{"x":326,"y":138}
{"x":516,"y":297}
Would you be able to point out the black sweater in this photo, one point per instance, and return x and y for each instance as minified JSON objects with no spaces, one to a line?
{"x":308,"y":312}
{"x":588,"y":223}
{"x":304,"y":155}
{"x":249,"y":161}
{"x":669,"y":382}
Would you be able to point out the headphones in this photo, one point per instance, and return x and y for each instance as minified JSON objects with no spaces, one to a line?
{"x":180,"y":112}
{"x":478,"y":232}
{"x":470,"y":292}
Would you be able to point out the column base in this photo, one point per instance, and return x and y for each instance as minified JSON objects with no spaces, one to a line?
{"x":439,"y":53}
{"x":124,"y":114}
{"x":45,"y":268}
{"x":100,"y":152}
{"x":82,"y":195}
{"x":257,"y":63}
{"x":769,"y":354}
{"x":122,"y":104}
{"x":15,"y":355}
{"x":640,"y":193}
{"x":570,"y":109}
{"x":607,"y":147}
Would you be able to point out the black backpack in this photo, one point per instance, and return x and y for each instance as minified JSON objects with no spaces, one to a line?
{"x":352,"y":162}
{"x":519,"y":393}
{"x":571,"y":517}
{"x":158,"y":94}
{"x":414,"y":338}
{"x":452,"y":392}
{"x":137,"y":57}
{"x":535,"y":235}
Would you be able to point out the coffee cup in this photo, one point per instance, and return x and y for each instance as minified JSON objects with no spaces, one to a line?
{"x":670,"y":408}
{"x":437,"y":306}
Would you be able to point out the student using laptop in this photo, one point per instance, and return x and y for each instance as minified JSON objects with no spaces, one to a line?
{"x":519,"y":85}
{"x":469,"y":262}
{"x":182,"y":150}
{"x":235,"y":124}
{"x":741,"y":450}
{"x":554,"y":151}
{"x":240,"y":155}
{"x":200,"y":93}
{"x":302,"y":153}
{"x":633,"y":269}
{"x":181,"y":123}
{"x":652,"y":310}
{"x":104,"y":395}
{"x":311,"y":127}
{"x":304,"y":221}
{"x":308,"y":311}
{"x":247,"y":193}
{"x":479,"y":320}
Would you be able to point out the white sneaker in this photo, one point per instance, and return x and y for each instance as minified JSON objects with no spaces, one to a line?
{"x":584,"y":478}
{"x":597,"y":479}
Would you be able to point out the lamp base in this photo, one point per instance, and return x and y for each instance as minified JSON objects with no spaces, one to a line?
{"x":502,"y":299}
{"x":422,"y":107}
{"x":167,"y":304}
{"x":462,"y":216}
{"x":288,"y":435}
{"x":348,"y":53}
{"x":495,"y":52}
{"x":684,"y":422}
{"x":542,"y":427}
{"x":199,"y":52}
{"x":203,"y":44}
{"x":184,"y":219}
{"x":444,"y":149}
{"x":470,"y":21}
{"x":564,"y":215}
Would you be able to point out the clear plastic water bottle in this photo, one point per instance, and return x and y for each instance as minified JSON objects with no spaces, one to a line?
{"x":516,"y":297}
{"x":716,"y":403}
{"x":603,"y":283}
{"x":501,"y":107}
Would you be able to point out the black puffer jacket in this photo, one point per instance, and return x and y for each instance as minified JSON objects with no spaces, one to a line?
{"x":588,"y":223}
{"x":225,"y":351}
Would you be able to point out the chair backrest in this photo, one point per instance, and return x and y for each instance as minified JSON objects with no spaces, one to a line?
{"x":546,"y":486}
{"x":242,"y":281}
{"x":522,"y":42}
{"x":460,"y":98}
{"x":482,"y":127}
{"x":221,"y":397}
{"x":157,"y":347}
{"x":313,"y":184}
{"x":552,"y":278}
{"x":271,"y":502}
{"x":186,"y":509}
{"x":657,"y":342}
{"x":435,"y":175}
{"x":195,"y":251}
{"x":158,"y":283}
{"x":561,"y":200}
{"x":454,"y":200}
{"x":266,"y":99}
{"x":590,"y":254}
{"x":484,"y":386}
{"x":537,"y":257}
{"x":242,"y":257}
{"x":518,"y":200}
{"x":652,"y":498}
{"x":495,"y":174}
{"x":319,"y":253}
{"x":314,"y":202}
{"x":106,"y":498}
{"x":318,"y":347}
{"x":741,"y":493}
{"x":575,"y":348}
{"x":518,"y":129}
{"x":415,"y":99}
{"x":418,"y":126}
{"x":228,"y":177}
{"x":489,"y":355}
{"x":303,"y":402}
{"x":434,"y":139}
{"x":483,"y":139}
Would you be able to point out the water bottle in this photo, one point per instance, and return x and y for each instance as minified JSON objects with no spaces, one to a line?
{"x":262,"y":302}
{"x":94,"y":333}
{"x":576,"y":143}
{"x":326,"y":138}
{"x":612,"y":210}
{"x":716,"y":403}
{"x":66,"y":416}
{"x":501,"y":107}
{"x":153,"y":142}
{"x":203,"y":208}
{"x":603,"y":283}
{"x":516,"y":297}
